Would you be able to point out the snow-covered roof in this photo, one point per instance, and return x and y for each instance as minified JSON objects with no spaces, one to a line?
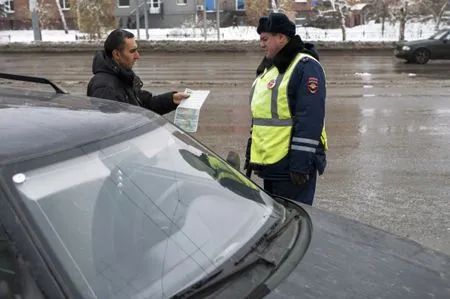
{"x":358,"y":6}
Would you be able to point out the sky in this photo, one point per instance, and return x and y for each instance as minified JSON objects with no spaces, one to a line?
{"x":368,"y":32}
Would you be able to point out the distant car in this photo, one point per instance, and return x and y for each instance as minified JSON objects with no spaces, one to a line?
{"x":436,"y":46}
{"x":100,"y":199}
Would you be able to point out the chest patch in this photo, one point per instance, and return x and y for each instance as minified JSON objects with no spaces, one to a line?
{"x":271,"y":83}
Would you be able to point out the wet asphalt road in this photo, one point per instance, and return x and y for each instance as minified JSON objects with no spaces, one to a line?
{"x":388,"y":126}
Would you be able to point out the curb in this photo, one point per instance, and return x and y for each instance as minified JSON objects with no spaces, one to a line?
{"x":184,"y":46}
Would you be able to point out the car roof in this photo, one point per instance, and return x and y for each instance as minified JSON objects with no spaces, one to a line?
{"x":35,"y":123}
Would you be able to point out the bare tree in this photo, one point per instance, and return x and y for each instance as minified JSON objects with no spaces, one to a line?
{"x":436,"y":8}
{"x":47,"y":14}
{"x":254,"y":9}
{"x":50,"y":12}
{"x":274,"y":5}
{"x":382,"y":11}
{"x":338,"y":9}
{"x":395,"y":11}
{"x":61,"y":15}
{"x":285,"y":6}
{"x":94,"y":17}
{"x":339,"y":6}
{"x":403,"y":15}
{"x":2,"y":8}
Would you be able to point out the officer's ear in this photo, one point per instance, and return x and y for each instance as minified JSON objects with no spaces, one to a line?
{"x":283,"y":37}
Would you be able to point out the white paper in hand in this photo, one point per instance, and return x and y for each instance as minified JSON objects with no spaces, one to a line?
{"x":188,"y":112}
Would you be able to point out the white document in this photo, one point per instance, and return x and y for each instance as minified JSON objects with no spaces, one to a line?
{"x":188,"y":112}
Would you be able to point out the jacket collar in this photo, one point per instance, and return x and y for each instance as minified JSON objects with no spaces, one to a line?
{"x":285,"y":56}
{"x":104,"y":64}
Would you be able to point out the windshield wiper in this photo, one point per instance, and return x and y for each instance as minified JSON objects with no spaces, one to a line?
{"x":235,"y":267}
{"x":221,"y":276}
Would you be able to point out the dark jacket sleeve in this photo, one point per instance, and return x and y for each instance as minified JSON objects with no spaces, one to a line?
{"x":306,"y":93}
{"x":160,"y":104}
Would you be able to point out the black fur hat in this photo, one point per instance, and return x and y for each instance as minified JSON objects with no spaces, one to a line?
{"x":276,"y":23}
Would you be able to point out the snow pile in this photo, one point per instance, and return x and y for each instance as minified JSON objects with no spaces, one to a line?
{"x":365,"y":33}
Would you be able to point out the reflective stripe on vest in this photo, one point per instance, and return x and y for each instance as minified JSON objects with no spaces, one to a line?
{"x":272,"y":119}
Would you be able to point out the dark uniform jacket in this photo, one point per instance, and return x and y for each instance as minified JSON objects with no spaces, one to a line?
{"x":307,"y":109}
{"x":115,"y":83}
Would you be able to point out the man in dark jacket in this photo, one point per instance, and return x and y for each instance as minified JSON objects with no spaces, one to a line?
{"x":115,"y":80}
{"x":288,"y":140}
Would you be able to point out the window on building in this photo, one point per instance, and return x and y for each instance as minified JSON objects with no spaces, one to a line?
{"x":181,"y":2}
{"x":123,"y":3}
{"x":65,"y":4}
{"x":155,"y":3}
{"x":240,"y":4}
{"x":9,"y":5}
{"x":210,"y":5}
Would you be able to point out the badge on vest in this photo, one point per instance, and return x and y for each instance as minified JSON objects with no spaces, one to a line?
{"x":313,"y":84}
{"x":271,"y":83}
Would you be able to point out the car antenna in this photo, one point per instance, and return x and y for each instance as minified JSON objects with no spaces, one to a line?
{"x":58,"y":89}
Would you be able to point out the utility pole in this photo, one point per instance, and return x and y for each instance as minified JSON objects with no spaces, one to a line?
{"x":204,"y":18}
{"x":146,"y":19}
{"x":138,"y":21}
{"x":35,"y":21}
{"x":218,"y":19}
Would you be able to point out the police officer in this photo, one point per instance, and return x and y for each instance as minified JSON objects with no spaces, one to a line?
{"x":288,"y":138}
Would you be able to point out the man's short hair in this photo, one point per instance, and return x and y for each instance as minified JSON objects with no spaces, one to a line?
{"x":116,"y":41}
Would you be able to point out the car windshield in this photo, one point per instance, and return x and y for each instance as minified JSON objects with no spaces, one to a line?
{"x":143,"y":217}
{"x":439,"y":34}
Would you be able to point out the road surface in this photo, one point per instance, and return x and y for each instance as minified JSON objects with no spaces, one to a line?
{"x":388,"y":125}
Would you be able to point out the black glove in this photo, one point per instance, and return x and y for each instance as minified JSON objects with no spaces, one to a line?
{"x":299,"y":179}
{"x":247,"y":166}
{"x":247,"y":153}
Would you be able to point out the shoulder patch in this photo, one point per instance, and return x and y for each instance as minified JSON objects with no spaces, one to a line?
{"x":313,"y":84}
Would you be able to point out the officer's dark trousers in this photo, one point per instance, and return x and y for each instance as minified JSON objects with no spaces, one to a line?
{"x":285,"y":188}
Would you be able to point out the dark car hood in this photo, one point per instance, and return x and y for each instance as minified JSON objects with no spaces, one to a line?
{"x":347,"y":259}
{"x":422,"y":42}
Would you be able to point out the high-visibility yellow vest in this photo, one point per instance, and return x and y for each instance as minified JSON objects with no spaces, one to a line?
{"x":272,"y":119}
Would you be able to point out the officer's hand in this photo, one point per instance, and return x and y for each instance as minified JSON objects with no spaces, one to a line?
{"x":299,"y":179}
{"x":177,"y":97}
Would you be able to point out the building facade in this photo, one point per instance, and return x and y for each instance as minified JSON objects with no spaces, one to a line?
{"x":176,"y":13}
{"x":18,"y":15}
{"x":160,"y":13}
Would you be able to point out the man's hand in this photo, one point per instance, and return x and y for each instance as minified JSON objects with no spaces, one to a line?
{"x":177,"y":97}
{"x":299,"y":179}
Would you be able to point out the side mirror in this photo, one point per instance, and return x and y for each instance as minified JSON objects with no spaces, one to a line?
{"x":234,"y":160}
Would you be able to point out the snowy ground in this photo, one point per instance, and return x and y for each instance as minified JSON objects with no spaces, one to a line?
{"x":368,"y":32}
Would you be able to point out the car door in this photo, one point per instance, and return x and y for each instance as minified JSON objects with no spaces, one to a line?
{"x":443,"y":48}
